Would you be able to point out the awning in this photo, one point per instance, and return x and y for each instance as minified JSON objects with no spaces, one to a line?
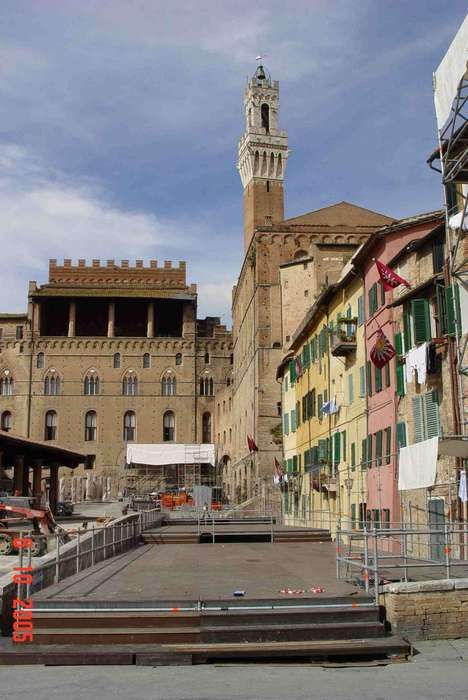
{"x":165,"y":453}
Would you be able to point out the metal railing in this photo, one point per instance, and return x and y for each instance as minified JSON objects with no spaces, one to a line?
{"x":373,"y":556}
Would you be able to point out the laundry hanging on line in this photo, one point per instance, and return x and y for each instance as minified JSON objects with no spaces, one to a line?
{"x":416,"y":361}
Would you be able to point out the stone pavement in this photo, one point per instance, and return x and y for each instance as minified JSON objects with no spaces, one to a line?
{"x":438,"y":672}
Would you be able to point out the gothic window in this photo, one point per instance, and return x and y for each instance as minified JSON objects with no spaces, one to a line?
{"x":117,"y":360}
{"x":206,"y":386}
{"x":50,"y":428}
{"x":19,"y":333}
{"x":90,"y":426}
{"x":178,"y":358}
{"x":129,"y":426}
{"x":207,"y":358}
{"x":231,"y":358}
{"x":169,"y":384}
{"x":52,"y":383}
{"x":6,"y":383}
{"x":266,"y":117}
{"x":40,"y":360}
{"x":146,"y":360}
{"x":130,"y":384}
{"x":6,"y":422}
{"x":168,"y":426}
{"x":91,"y":383}
{"x":206,"y":428}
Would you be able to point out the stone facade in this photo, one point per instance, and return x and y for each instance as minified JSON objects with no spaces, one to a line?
{"x":329,"y":236}
{"x":101,"y":341}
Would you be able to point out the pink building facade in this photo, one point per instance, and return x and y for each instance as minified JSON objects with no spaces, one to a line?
{"x":380,"y":449}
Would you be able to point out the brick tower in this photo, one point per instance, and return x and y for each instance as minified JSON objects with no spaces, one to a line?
{"x":263,"y":152}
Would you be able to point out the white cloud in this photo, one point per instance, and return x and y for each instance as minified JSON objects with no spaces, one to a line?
{"x":45,"y":214}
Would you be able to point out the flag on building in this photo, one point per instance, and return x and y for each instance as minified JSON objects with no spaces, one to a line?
{"x":329,"y":407}
{"x":251,"y":444}
{"x":383,"y":350}
{"x":389,"y":278}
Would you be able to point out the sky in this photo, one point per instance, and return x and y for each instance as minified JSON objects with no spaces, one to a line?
{"x":119,"y":124}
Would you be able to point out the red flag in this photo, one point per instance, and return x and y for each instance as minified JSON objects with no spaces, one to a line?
{"x":383,"y":351}
{"x":279,"y":469}
{"x":251,"y":443}
{"x":389,"y":279}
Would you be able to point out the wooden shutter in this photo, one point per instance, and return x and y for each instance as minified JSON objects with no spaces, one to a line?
{"x":293,"y":421}
{"x":353,"y":456}
{"x":286,"y":423}
{"x":369,"y":451}
{"x":350,"y":388}
{"x":418,"y":417}
{"x":432,"y":416}
{"x":360,"y":307}
{"x":364,"y":453}
{"x":292,"y":371}
{"x":353,"y":516}
{"x":307,"y":464}
{"x":401,"y":434}
{"x":369,"y":378}
{"x":378,"y":448}
{"x":407,"y":337}
{"x":312,"y":402}
{"x":421,"y":320}
{"x":378,"y":379}
{"x":336,"y":448}
{"x":362,"y":381}
{"x":343,"y":445}
{"x":305,"y":413}
{"x":399,"y":369}
{"x":306,"y":355}
{"x":452,"y":306}
{"x":388,"y":445}
{"x":322,"y":450}
{"x":314,"y":457}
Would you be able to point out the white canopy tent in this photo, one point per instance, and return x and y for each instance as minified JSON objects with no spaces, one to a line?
{"x":165,"y":453}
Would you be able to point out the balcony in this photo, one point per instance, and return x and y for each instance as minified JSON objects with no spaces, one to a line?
{"x":343,"y":339}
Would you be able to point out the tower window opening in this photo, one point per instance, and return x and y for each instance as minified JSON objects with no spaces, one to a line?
{"x":268,"y":185}
{"x":266,"y":117}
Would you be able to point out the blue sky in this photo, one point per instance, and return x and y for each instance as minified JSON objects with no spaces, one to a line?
{"x":119,"y":123}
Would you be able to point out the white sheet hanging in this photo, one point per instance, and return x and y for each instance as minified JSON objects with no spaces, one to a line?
{"x":418,"y":465}
{"x":158,"y":454}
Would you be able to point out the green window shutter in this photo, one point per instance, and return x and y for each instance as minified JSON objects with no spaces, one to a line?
{"x":401,"y":434}
{"x":452,"y":306}
{"x":286,"y":423}
{"x":322,"y":450}
{"x":305,"y":414}
{"x":362,"y":381}
{"x":319,"y":405}
{"x":369,"y":451}
{"x":378,"y":379}
{"x":306,"y":355}
{"x":438,"y":256}
{"x":418,"y":417}
{"x":399,"y":369}
{"x":369,"y":378}
{"x":293,"y":421}
{"x":408,"y":339}
{"x":388,"y":445}
{"x":307,"y":464}
{"x":298,"y":413}
{"x":378,"y":448}
{"x":364,"y":453}
{"x":432,"y":415}
{"x":292,"y":371}
{"x":360,"y":310}
{"x":343,"y":445}
{"x":421,"y":320}
{"x":353,"y":456}
{"x":294,"y":466}
{"x":312,"y":400}
{"x":328,"y":449}
{"x":350,"y":388}
{"x":336,"y":448}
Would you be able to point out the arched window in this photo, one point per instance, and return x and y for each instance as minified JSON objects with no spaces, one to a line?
{"x":40,"y":360}
{"x":91,"y":383}
{"x":146,"y":360}
{"x":130,"y":384}
{"x":206,"y":428}
{"x":6,"y":423}
{"x":207,"y":358}
{"x":90,"y":426}
{"x":206,"y":386}
{"x":169,"y":384}
{"x":6,"y":383}
{"x":266,"y":117}
{"x":129,"y":426}
{"x":178,"y":358}
{"x":117,"y":360}
{"x":50,"y":428}
{"x":52,"y":383}
{"x":168,"y":426}
{"x":231,"y":358}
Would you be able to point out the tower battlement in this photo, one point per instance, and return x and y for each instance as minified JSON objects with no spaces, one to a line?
{"x":112,"y":274}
